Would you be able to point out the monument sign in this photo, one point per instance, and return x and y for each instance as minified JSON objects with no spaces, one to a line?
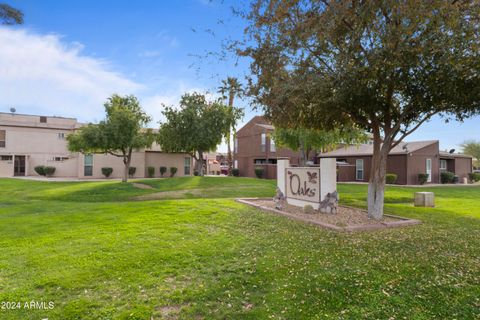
{"x":307,"y":185}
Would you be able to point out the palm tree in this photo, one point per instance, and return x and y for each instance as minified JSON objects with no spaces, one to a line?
{"x":10,"y":15}
{"x":230,"y":89}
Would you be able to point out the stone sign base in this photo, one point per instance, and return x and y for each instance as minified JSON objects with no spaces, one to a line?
{"x":347,"y":219}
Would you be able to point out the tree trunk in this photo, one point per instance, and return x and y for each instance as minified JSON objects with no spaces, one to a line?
{"x":126,"y":161}
{"x":229,"y":154}
{"x":200,"y":163}
{"x":376,"y":184}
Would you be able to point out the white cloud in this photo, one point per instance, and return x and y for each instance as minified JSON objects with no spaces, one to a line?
{"x":42,"y":74}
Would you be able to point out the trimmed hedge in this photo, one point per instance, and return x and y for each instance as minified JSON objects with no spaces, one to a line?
{"x":40,"y":170}
{"x":447,"y":177}
{"x":391,"y":178}
{"x":107,"y":171}
{"x":475,"y":177}
{"x":422,"y":178}
{"x":235,"y":172}
{"x":195,"y":173}
{"x":49,"y":171}
{"x":259,"y":172}
{"x":173,"y":170}
{"x":162,"y":171}
{"x":151,"y":172}
{"x":131,"y":171}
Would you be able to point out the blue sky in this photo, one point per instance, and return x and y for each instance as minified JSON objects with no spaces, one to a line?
{"x":70,"y":55}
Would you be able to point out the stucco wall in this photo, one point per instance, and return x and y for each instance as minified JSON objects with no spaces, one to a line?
{"x":417,"y":163}
{"x":6,"y":168}
{"x":161,"y":159}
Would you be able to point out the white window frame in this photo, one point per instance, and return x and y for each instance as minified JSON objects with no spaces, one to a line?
{"x":235,"y":145}
{"x":61,"y":136}
{"x":263,"y":142}
{"x":428,"y":170}
{"x":84,"y":164}
{"x":189,"y":166}
{"x":4,"y":144}
{"x":359,"y":168}
{"x":442,"y":168}
{"x":273,"y":148}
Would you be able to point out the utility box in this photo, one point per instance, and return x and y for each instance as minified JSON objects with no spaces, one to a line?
{"x":424,"y":199}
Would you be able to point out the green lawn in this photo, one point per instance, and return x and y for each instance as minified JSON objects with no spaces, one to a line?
{"x":98,"y":252}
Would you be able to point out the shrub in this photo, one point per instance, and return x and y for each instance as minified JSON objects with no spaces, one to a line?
{"x":447,"y":177}
{"x":308,"y":209}
{"x":131,"y":171}
{"x":162,"y":171}
{"x":235,"y":172}
{"x":422,"y":178}
{"x":391,"y":178}
{"x":259,"y":172}
{"x":107,"y":171}
{"x":49,"y":171}
{"x":151,"y":172}
{"x":195,"y":172}
{"x":173,"y":170}
{"x":475,"y":177}
{"x":40,"y":170}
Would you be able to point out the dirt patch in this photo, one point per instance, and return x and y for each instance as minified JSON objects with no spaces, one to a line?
{"x":169,"y":312}
{"x":169,"y":194}
{"x":346,"y":219}
{"x":142,"y":186}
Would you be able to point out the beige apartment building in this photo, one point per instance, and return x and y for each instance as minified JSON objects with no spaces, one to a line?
{"x":27,"y":141}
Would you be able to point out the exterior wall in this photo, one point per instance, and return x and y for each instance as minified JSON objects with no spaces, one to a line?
{"x":417,"y":163}
{"x":398,"y":164}
{"x":6,"y":168}
{"x":249,"y":148}
{"x":463,"y":166}
{"x":162,"y":159}
{"x":41,"y":142}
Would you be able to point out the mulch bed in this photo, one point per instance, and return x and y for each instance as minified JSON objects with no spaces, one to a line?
{"x":347,"y":219}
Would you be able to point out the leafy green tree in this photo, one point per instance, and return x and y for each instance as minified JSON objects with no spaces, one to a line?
{"x":10,"y":15}
{"x":122,"y":131}
{"x":230,"y":89}
{"x":307,"y":140}
{"x":197,"y":127}
{"x":472,"y":148}
{"x":386,"y":67}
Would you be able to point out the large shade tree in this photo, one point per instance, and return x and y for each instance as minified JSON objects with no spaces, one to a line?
{"x":230,"y":89}
{"x":197,"y":127}
{"x":10,"y":15}
{"x":472,"y":147}
{"x":122,"y":132}
{"x":306,"y":141}
{"x":384,"y":66}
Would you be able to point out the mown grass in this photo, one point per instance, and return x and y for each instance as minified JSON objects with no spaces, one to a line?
{"x":98,"y":254}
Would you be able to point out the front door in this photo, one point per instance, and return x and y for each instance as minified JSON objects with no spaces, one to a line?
{"x":429,"y":170}
{"x":19,"y":166}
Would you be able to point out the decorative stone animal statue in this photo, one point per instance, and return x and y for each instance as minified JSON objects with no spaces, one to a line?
{"x":279,"y":200}
{"x":330,"y":203}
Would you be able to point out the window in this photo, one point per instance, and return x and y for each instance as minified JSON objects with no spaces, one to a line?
{"x":6,"y":158}
{"x":61,"y":136}
{"x":235,"y":145}
{"x":3,"y":135}
{"x":43,"y":119}
{"x":88,"y":165}
{"x":265,"y":161}
{"x":428,"y":167}
{"x":263,"y":143}
{"x":186,"y":167}
{"x":359,"y":169}
{"x":235,"y":164}
{"x":60,"y":158}
{"x":272,"y":145}
{"x":443,"y":165}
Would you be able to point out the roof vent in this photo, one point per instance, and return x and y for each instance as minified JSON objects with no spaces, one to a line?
{"x":13,"y":110}
{"x":451,"y":151}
